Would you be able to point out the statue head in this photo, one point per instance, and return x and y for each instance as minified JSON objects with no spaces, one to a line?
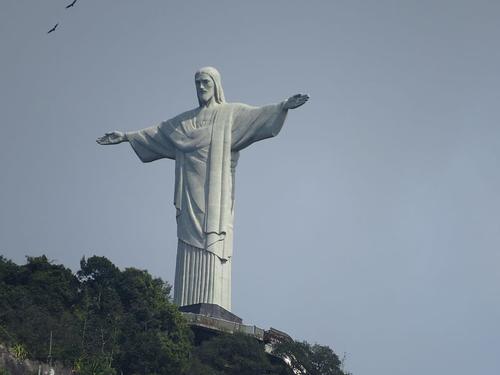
{"x":208,"y":86}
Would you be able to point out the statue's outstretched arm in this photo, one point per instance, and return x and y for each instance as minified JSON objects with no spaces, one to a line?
{"x":252,"y":124}
{"x":112,"y":138}
{"x":149,"y":144}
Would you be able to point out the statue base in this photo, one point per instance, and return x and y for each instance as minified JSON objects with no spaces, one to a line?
{"x":212,"y":311}
{"x":208,"y":320}
{"x":205,"y":327}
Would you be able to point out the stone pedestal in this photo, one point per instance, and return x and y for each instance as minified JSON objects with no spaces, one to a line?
{"x":212,"y":311}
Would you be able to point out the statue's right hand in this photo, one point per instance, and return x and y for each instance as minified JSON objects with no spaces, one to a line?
{"x":112,"y":138}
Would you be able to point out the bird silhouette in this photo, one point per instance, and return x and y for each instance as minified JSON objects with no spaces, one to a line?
{"x":71,"y":5}
{"x":53,"y":29}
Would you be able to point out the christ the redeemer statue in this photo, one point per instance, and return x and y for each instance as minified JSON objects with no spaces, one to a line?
{"x":205,"y":143}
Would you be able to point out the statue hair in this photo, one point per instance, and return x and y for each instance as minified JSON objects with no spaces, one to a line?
{"x":215,"y":75}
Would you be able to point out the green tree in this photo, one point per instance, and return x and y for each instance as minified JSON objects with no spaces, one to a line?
{"x":100,"y":310}
{"x":305,"y":358}
{"x":35,"y":299}
{"x":129,"y":319}
{"x":102,"y":320}
{"x":155,"y":338}
{"x":236,"y":354}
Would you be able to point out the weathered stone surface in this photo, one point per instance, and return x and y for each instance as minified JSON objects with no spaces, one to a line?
{"x":26,"y":366}
{"x":211,"y":310}
{"x":205,"y":143}
{"x":221,"y":325}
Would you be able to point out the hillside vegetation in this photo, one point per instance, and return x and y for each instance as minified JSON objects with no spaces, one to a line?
{"x":102,"y":320}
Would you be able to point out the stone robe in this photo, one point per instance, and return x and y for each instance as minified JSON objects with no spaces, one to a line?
{"x":206,"y":155}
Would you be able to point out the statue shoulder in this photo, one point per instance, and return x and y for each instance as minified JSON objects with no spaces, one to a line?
{"x":176,"y":120}
{"x":237,"y":106}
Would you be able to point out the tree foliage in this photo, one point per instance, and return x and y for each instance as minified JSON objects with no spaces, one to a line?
{"x":236,"y":354}
{"x":105,"y":321}
{"x":102,"y":320}
{"x":305,"y":358}
{"x":239,"y":354}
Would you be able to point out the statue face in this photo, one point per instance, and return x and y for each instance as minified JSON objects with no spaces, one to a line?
{"x":205,"y":87}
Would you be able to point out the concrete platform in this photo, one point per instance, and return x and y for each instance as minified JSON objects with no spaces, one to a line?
{"x":211,"y":310}
{"x":216,"y":325}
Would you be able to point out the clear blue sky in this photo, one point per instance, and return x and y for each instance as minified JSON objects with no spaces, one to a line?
{"x":370,"y":224}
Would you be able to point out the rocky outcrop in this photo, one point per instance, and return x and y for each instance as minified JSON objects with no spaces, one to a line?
{"x":15,"y":366}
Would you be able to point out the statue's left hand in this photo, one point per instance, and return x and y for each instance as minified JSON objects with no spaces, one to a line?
{"x":296,"y":101}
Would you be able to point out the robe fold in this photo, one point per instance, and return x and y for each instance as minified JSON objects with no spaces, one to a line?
{"x":206,"y":155}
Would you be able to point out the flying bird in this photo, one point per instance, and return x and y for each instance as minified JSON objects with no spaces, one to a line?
{"x":53,"y":29}
{"x":71,"y":5}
